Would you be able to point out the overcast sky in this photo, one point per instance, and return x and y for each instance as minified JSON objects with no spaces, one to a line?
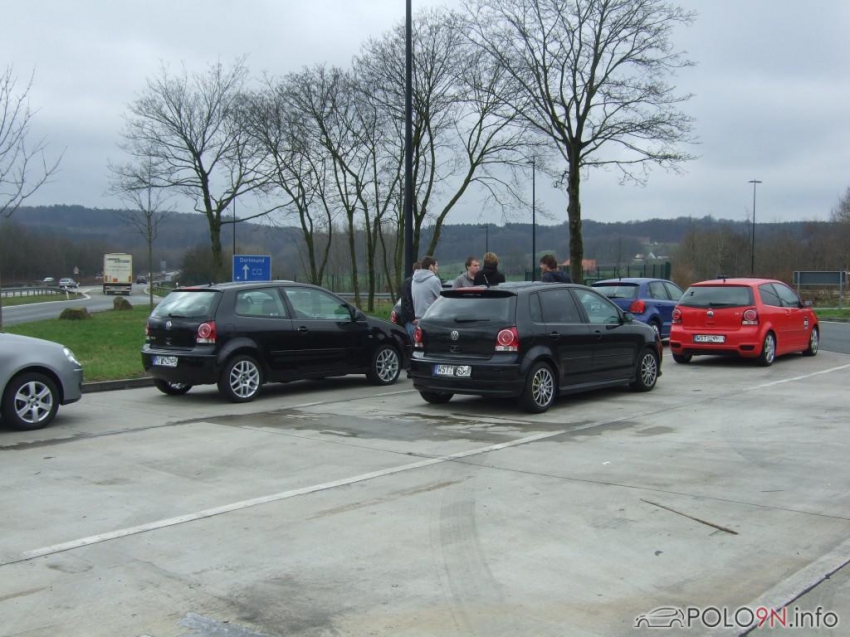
{"x":771,"y":85}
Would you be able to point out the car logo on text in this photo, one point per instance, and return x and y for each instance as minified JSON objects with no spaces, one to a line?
{"x":455,"y":335}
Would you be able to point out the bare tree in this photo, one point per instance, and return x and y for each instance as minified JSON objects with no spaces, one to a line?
{"x":133,"y":183}
{"x":841,"y":217}
{"x":24,"y":167}
{"x":588,"y":75}
{"x":191,"y":127}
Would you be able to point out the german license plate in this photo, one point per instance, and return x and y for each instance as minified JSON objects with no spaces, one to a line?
{"x":165,"y":361}
{"x":709,"y":338}
{"x":458,"y":371}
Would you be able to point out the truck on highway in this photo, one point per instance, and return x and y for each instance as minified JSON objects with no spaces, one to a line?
{"x":117,"y":273}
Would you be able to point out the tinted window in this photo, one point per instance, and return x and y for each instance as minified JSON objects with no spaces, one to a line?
{"x":473,"y":308}
{"x":768,"y":295}
{"x":187,"y":304}
{"x":559,"y":307}
{"x":263,"y":302}
{"x":717,"y":296}
{"x":534,"y":309}
{"x":308,"y":303}
{"x":673,"y":290}
{"x":786,"y":295}
{"x":656,"y":290}
{"x":617,"y":290}
{"x":598,"y":308}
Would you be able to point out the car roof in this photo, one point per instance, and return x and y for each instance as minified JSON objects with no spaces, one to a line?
{"x":247,"y":285}
{"x":631,"y":280}
{"x":512,"y":288}
{"x":736,"y":281}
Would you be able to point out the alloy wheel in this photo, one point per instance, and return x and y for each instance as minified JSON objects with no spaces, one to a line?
{"x":244,"y":379}
{"x":542,"y":387}
{"x":769,"y":348}
{"x":387,"y":365}
{"x":33,"y":402}
{"x":648,"y":370}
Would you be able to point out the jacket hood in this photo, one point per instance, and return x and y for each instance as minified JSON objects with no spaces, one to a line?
{"x":423,"y":275}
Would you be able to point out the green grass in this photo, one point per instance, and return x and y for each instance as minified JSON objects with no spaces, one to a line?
{"x":9,"y":301}
{"x":834,"y":314}
{"x":109,"y":344}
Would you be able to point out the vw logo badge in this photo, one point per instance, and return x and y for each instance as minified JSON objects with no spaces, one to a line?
{"x":168,"y":325}
{"x":455,"y":335}
{"x":710,"y":314}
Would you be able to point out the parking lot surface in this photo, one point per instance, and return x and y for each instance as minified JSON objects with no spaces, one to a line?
{"x":337,"y":508}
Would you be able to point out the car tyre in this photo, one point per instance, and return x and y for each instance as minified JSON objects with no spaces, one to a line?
{"x":683,"y":359}
{"x":654,"y":324}
{"x":436,"y":397}
{"x":646,"y":374}
{"x":540,"y":389}
{"x":385,"y":366}
{"x":241,"y":379}
{"x":30,"y":401}
{"x":768,"y":350}
{"x":171,"y":389}
{"x":814,"y":343}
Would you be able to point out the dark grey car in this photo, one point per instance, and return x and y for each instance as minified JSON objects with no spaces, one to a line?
{"x":36,"y":376}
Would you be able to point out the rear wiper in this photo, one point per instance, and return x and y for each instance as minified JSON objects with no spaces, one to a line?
{"x":175,"y":315}
{"x":471,"y":320}
{"x":720,"y":304}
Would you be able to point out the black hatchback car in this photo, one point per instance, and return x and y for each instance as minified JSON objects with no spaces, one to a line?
{"x":534,"y":341}
{"x":241,"y":335}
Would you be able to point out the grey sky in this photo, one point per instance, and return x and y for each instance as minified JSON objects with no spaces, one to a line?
{"x":771,"y":85}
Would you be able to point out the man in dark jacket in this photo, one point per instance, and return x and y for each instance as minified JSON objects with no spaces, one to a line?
{"x":489,"y":275}
{"x":406,"y":314}
{"x":551,"y":273}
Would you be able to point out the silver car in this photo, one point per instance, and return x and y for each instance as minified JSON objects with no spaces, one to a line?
{"x":36,"y":376}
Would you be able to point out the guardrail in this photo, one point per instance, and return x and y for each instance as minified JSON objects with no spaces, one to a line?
{"x":30,"y":291}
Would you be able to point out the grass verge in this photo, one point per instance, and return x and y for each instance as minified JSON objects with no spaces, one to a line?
{"x":9,"y":301}
{"x":834,"y":314}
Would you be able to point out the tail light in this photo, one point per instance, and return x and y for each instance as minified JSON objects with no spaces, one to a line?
{"x":637,"y":307}
{"x":393,"y":317}
{"x":507,"y":340}
{"x":418,"y":341}
{"x":206,"y":333}
{"x":677,"y":315}
{"x":751,"y":317}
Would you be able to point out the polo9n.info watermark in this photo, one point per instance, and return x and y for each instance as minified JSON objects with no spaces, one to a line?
{"x":743,"y":617}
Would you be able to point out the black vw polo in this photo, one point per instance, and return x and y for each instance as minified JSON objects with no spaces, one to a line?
{"x":534,"y":341}
{"x":241,"y":335}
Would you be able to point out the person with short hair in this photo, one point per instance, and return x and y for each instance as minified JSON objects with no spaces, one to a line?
{"x":406,"y":313}
{"x":551,"y":273}
{"x":489,"y":275}
{"x":426,"y":287}
{"x":467,"y":279}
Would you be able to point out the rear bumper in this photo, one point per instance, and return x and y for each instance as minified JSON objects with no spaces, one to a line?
{"x":744,"y":343}
{"x":192,"y":368}
{"x":488,"y":378}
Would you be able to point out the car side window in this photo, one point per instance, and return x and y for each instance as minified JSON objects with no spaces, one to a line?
{"x":768,"y":295}
{"x":559,"y":307}
{"x":308,"y":303}
{"x":787,"y":297}
{"x":534,"y":309}
{"x":264,"y":302}
{"x":657,"y":291}
{"x":673,"y":290}
{"x":599,"y":309}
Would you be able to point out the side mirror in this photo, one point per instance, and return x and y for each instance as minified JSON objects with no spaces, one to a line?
{"x":628,"y":317}
{"x":807,"y":304}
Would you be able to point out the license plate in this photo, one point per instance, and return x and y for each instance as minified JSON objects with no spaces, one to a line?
{"x":458,"y":371}
{"x":709,"y":338}
{"x":165,"y":361}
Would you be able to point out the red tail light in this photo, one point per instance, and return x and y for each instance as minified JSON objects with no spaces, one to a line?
{"x":418,"y":341}
{"x":677,"y":315}
{"x":394,"y":317}
{"x":206,"y":332}
{"x":507,"y":340}
{"x":637,"y":307}
{"x":751,"y":317}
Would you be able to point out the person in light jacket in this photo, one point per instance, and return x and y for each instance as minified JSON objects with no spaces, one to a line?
{"x":426,"y":286}
{"x":489,"y":275}
{"x":467,"y":279}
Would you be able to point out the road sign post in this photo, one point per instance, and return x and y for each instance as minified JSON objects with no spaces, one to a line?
{"x":252,"y":267}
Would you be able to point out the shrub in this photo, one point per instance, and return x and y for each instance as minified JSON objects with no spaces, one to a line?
{"x":74,"y":314}
{"x":121,"y":304}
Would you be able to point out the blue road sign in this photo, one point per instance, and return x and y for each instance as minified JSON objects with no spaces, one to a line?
{"x":247,"y":267}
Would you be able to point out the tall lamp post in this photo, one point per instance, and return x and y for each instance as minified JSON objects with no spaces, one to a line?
{"x":754,"y":182}
{"x":486,"y":227}
{"x":408,"y":143}
{"x":533,"y":219}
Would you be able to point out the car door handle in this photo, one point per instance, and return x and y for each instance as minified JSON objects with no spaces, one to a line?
{"x":303,"y":329}
{"x":554,"y":335}
{"x":598,"y":335}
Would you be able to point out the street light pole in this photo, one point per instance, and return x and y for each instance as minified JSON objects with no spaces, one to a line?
{"x":533,"y":219}
{"x":486,"y":227}
{"x":408,"y":144}
{"x":754,"y":182}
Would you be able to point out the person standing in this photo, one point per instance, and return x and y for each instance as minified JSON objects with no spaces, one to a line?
{"x":551,"y":273}
{"x":426,"y":287}
{"x":467,"y":279}
{"x":489,"y":275}
{"x":407,"y":315}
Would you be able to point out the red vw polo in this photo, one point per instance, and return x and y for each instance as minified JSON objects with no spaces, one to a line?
{"x":753,"y":318}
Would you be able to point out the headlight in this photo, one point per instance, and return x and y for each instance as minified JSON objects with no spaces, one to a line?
{"x":70,"y":356}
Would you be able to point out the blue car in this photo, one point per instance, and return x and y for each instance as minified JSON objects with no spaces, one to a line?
{"x":650,"y":300}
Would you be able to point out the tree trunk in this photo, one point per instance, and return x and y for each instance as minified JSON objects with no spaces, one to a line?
{"x":574,"y":216}
{"x":352,"y":250}
{"x":217,"y":256}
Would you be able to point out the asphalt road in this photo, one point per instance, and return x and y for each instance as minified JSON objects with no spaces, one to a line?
{"x":335,"y":508}
{"x":835,"y":337}
{"x":95,"y":301}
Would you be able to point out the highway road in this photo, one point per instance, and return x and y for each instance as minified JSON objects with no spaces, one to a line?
{"x":94,"y":301}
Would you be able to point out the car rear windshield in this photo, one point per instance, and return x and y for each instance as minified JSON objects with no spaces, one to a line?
{"x":717,"y":296}
{"x":473,"y":307}
{"x":188,"y":304}
{"x":617,"y":290}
